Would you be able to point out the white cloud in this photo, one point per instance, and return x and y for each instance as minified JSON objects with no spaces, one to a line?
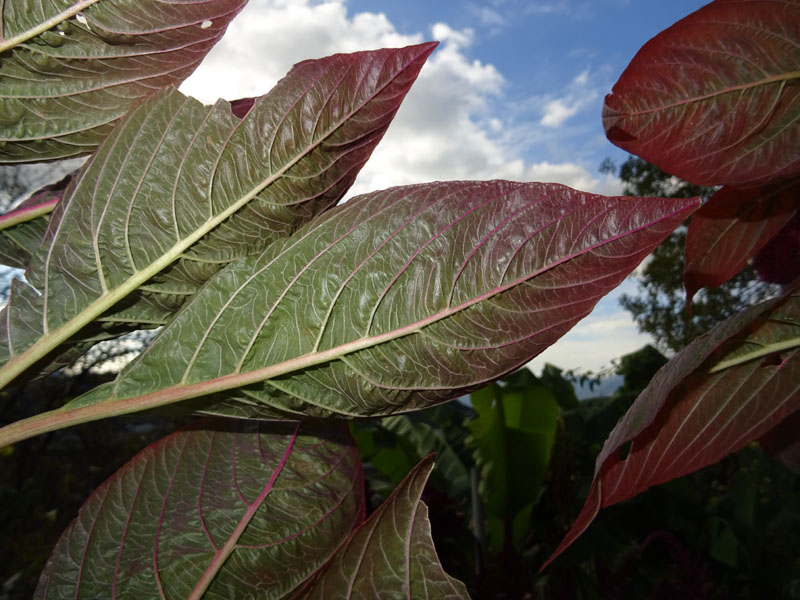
{"x":546,"y":8}
{"x":574,"y":176}
{"x":491,"y":17}
{"x":448,"y":126}
{"x":579,"y":95}
{"x":595,"y":341}
{"x":556,"y":112}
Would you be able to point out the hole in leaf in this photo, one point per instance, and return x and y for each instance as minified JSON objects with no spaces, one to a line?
{"x":625,"y":450}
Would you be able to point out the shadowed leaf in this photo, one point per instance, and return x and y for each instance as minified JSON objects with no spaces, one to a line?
{"x":783,"y":442}
{"x":726,"y":389}
{"x":22,"y":229}
{"x":731,"y":228}
{"x":777,"y":261}
{"x":219,"y":509}
{"x":71,"y":69}
{"x":715,"y":98}
{"x":512,"y":436}
{"x":391,"y":555}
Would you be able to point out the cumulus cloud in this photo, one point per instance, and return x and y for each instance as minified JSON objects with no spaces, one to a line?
{"x":447,"y":128}
{"x":577,"y":96}
{"x":596,"y":341}
{"x":575,"y":176}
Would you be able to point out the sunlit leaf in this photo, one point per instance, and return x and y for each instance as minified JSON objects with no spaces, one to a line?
{"x":70,"y":69}
{"x":179,"y":189}
{"x":715,"y":99}
{"x":726,"y":389}
{"x":395,"y":301}
{"x":219,"y":510}
{"x":391,"y":555}
{"x":731,"y":228}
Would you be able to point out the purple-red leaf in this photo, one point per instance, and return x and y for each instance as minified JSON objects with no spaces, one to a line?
{"x":21,"y":229}
{"x":70,"y":69}
{"x":395,"y":301}
{"x":779,"y":260}
{"x":391,"y":555}
{"x":727,"y":388}
{"x":220,"y":509}
{"x":178,"y":190}
{"x":715,"y":99}
{"x":731,"y":228}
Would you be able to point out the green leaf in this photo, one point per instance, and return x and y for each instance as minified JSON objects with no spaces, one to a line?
{"x":513,"y":434}
{"x":219,"y":509}
{"x":179,"y":189}
{"x":394,"y":445}
{"x":396,"y":301}
{"x":70,"y":69}
{"x":22,"y":229}
{"x":391,"y":555}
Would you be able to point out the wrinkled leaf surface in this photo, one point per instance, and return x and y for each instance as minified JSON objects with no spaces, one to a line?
{"x":396,"y":301}
{"x":22,"y":229}
{"x":726,"y":389}
{"x":715,"y":98}
{"x":731,"y":228}
{"x":236,"y":509}
{"x":391,"y":555}
{"x":69,"y":70}
{"x":180,"y":189}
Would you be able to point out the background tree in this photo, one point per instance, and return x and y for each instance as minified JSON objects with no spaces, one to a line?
{"x":659,"y":307}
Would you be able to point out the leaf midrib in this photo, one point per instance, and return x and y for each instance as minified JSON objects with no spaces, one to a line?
{"x":20,"y":362}
{"x":56,"y":19}
{"x":112,"y":406}
{"x":766,"y":350}
{"x":779,"y":78}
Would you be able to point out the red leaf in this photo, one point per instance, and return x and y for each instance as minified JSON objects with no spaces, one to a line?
{"x":714,"y":99}
{"x":778,"y":262}
{"x":242,"y":106}
{"x":727,"y":388}
{"x":234,"y":508}
{"x":731,"y":228}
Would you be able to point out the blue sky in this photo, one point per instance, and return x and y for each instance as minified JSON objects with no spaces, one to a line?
{"x":514,"y":91}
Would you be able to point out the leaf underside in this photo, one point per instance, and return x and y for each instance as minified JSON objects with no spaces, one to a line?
{"x":731,"y":228}
{"x":22,"y":229}
{"x":230,"y":507}
{"x":726,"y":389}
{"x":179,"y":189}
{"x":108,"y":57}
{"x":715,"y":98}
{"x":391,"y":555}
{"x":395,"y":301}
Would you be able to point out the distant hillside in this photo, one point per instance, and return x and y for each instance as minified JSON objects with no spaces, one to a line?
{"x":606,"y":387}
